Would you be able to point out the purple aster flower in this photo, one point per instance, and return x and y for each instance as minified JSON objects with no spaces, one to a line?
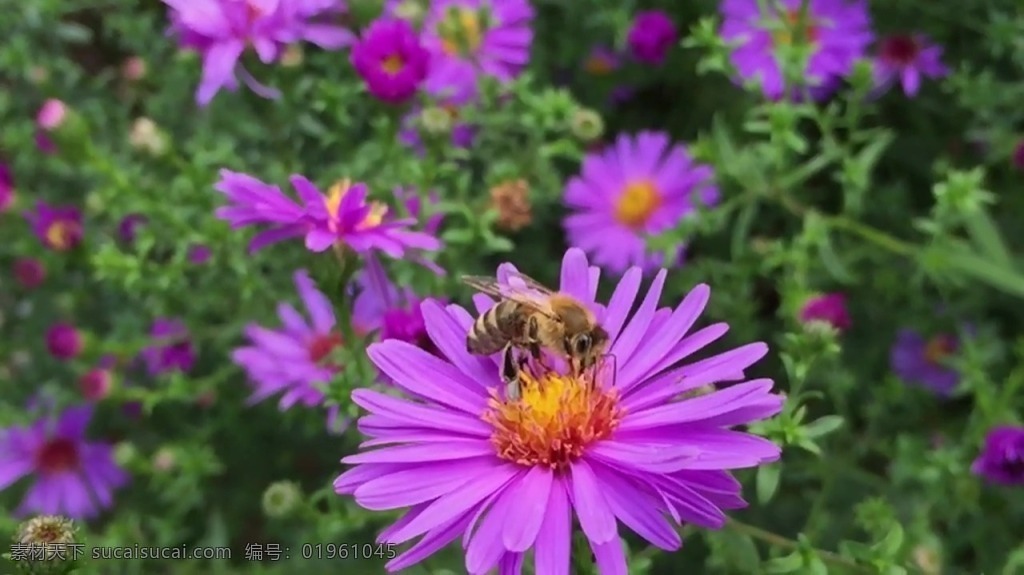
{"x":451,"y":86}
{"x":44,"y":143}
{"x":63,"y":341}
{"x":73,"y":477}
{"x":58,"y":227}
{"x":652,"y":35}
{"x":129,"y":225}
{"x":493,"y":35}
{"x":173,"y":350}
{"x":390,"y":312}
{"x":1002,"y":459}
{"x":925,"y":362}
{"x":838,"y":33}
{"x":51,"y":115}
{"x":617,"y":447}
{"x":639,"y":186}
{"x":198,"y":254}
{"x":829,"y":308}
{"x":908,"y":58}
{"x":6,"y":188}
{"x":391,"y":60}
{"x":601,"y":61}
{"x":344,"y":217}
{"x":221,"y":30}
{"x":296,"y":358}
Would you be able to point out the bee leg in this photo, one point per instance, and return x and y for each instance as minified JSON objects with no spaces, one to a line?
{"x":510,"y":367}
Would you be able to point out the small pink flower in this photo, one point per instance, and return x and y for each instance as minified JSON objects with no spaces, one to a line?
{"x":29,"y":272}
{"x":51,"y":115}
{"x":199,"y":254}
{"x":391,"y":60}
{"x":133,"y":69}
{"x":96,"y":384}
{"x":653,"y":34}
{"x":828,"y":308}
{"x":63,"y":341}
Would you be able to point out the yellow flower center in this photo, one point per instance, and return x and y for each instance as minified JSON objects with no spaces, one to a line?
{"x":393,"y":64}
{"x":795,"y":24}
{"x":636,"y":204}
{"x":599,"y":65}
{"x":553,"y":421}
{"x":61,"y":233}
{"x":333,"y":202}
{"x":939,"y":348}
{"x":461,"y":32}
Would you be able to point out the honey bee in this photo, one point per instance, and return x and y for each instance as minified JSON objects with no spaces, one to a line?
{"x":532,"y":317}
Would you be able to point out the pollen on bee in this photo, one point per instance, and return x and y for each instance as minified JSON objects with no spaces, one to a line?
{"x":554,"y":420}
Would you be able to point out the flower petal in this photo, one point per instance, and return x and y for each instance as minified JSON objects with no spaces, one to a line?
{"x":595,"y":517}
{"x":525,"y":519}
{"x":552,"y":552}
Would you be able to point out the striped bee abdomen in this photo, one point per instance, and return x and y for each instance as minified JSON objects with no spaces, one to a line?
{"x":495,"y":328}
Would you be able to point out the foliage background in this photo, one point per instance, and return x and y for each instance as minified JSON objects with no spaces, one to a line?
{"x":908,"y":206}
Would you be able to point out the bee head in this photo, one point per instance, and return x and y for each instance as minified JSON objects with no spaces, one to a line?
{"x":587,"y":346}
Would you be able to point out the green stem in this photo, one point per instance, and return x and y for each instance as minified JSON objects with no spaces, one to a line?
{"x":781,"y":542}
{"x":873,"y":235}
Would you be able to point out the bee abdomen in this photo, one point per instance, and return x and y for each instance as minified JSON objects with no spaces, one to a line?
{"x":493,"y":329}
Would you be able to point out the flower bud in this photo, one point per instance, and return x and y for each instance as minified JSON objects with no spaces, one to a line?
{"x":292,"y":56}
{"x":198,"y":254}
{"x":125,"y":453}
{"x":63,"y":341}
{"x":586,"y":125}
{"x":96,"y":384}
{"x":281,"y":499}
{"x":133,"y":69}
{"x":164,"y":460}
{"x":511,"y":199}
{"x":129,"y":224}
{"x":45,"y":545}
{"x":826,"y":308}
{"x":51,"y":115}
{"x":146,"y":136}
{"x":59,"y":124}
{"x":436,"y":120}
{"x":29,"y":272}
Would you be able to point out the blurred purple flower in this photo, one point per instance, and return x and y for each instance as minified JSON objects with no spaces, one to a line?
{"x":391,"y":60}
{"x":387,"y":310}
{"x":29,"y":272}
{"x":73,"y":477}
{"x":51,"y":115}
{"x":129,"y":225}
{"x":451,"y":85}
{"x":641,"y":185}
{"x":221,"y":30}
{"x":295,"y":359}
{"x":651,"y":36}
{"x":63,"y":341}
{"x":344,"y":217}
{"x":1002,"y":458}
{"x":907,"y":58}
{"x":96,"y":384}
{"x":58,"y":227}
{"x":44,"y":143}
{"x":492,"y":35}
{"x":198,"y":254}
{"x":6,"y":188}
{"x":601,"y":61}
{"x":838,"y":33}
{"x":924,"y":362}
{"x":829,"y":308}
{"x":173,"y":351}
{"x":1018,"y":155}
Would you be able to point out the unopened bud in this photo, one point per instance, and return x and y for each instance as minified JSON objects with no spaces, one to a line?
{"x":281,"y":499}
{"x":928,"y":559}
{"x":292,"y":56}
{"x":586,"y":125}
{"x":63,"y":128}
{"x":45,"y":545}
{"x":164,"y":460}
{"x":125,"y":453}
{"x":511,"y":200}
{"x":51,"y":115}
{"x":436,"y":120}
{"x":29,"y":272}
{"x":38,"y":75}
{"x":96,"y":384}
{"x":411,"y":11}
{"x":133,"y":69}
{"x":145,"y":135}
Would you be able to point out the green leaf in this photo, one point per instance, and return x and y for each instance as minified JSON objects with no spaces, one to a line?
{"x":823,"y":426}
{"x":741,"y":227}
{"x":961,"y":259}
{"x":831,"y":262}
{"x":815,"y":566}
{"x":768,"y":481}
{"x":457,"y":236}
{"x":788,"y":564}
{"x":892,"y":542}
{"x":986,"y":237}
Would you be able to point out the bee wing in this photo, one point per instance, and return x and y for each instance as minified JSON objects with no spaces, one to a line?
{"x":516,"y":290}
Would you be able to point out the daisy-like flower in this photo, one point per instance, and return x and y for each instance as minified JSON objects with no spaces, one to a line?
{"x":173,"y":350}
{"x":1002,"y":459}
{"x":493,"y":35}
{"x":451,"y":85}
{"x":508,"y":475}
{"x":651,"y":37}
{"x":829,"y":308}
{"x":837,"y":32}
{"x":58,"y":227}
{"x":907,"y":58}
{"x":344,"y":217}
{"x":221,"y":31}
{"x":383,"y":308}
{"x":296,"y":358}
{"x":641,"y":185}
{"x":924,"y":362}
{"x":391,"y":60}
{"x":73,"y":477}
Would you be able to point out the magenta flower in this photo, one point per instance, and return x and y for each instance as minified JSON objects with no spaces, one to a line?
{"x":641,"y":185}
{"x":462,"y":459}
{"x":73,"y":477}
{"x":173,"y":349}
{"x":129,"y":225}
{"x":925,"y":362}
{"x":51,"y":115}
{"x":343,"y":217}
{"x":63,"y":341}
{"x":96,"y":384}
{"x":391,"y":60}
{"x":828,"y":308}
{"x":652,"y":35}
{"x":492,"y":35}
{"x":295,"y":359}
{"x":198,"y":254}
{"x":44,"y":143}
{"x":838,"y":33}
{"x":221,"y":30}
{"x":29,"y":272}
{"x":58,"y":227}
{"x":6,"y":188}
{"x":907,"y":59}
{"x":389,"y":311}
{"x":1002,"y":459}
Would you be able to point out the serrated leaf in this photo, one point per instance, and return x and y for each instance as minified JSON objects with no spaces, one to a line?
{"x":815,"y":566}
{"x":986,"y":237}
{"x":741,"y":227}
{"x":788,"y":564}
{"x":831,"y":262}
{"x":1001,"y":277}
{"x":892,"y":542}
{"x":768,"y":477}
{"x":823,"y":426}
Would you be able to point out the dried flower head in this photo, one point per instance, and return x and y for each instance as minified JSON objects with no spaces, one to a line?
{"x":511,"y":199}
{"x":44,"y":538}
{"x":281,"y":498}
